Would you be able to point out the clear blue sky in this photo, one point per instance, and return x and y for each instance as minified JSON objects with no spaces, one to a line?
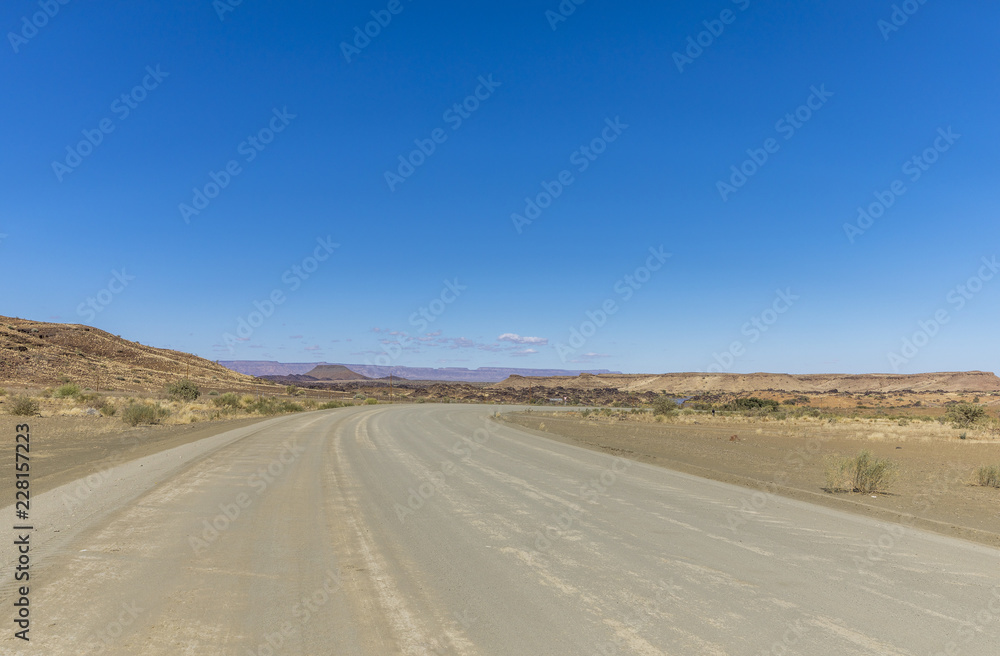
{"x":72,"y":216}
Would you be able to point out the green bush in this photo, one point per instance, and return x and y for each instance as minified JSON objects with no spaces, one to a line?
{"x":143,"y":413}
{"x":23,"y":406}
{"x":753,"y":404}
{"x":90,"y":400}
{"x":371,"y":401}
{"x":291,"y":390}
{"x":863,"y":473}
{"x":229,"y":400}
{"x":269,"y":406}
{"x":3,"y":392}
{"x":329,"y":405}
{"x":183,"y":390}
{"x":107,"y":409}
{"x":66,"y":391}
{"x":989,"y":475}
{"x":664,"y":405}
{"x":964,"y":415}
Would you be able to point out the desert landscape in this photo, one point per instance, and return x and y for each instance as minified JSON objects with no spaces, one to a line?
{"x":773,"y":432}
{"x":571,"y":328}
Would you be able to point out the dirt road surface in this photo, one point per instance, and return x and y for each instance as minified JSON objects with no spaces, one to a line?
{"x":432,"y":529}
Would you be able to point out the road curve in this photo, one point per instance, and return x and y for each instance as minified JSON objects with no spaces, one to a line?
{"x":432,"y":529}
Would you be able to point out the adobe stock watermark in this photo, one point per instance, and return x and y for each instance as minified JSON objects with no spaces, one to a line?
{"x":793,"y":634}
{"x":914,"y":169}
{"x":786,"y":126}
{"x":36,"y":21}
{"x":562,"y":12}
{"x":252,"y":146}
{"x":637,"y":619}
{"x":95,"y":304}
{"x":625,"y":288}
{"x":591,"y":491}
{"x":292,"y":280}
{"x":464,"y":448}
{"x":753,"y":329}
{"x":421,"y":320}
{"x":122,"y":107}
{"x":303,"y":612}
{"x":223,"y":7}
{"x":260,"y":480}
{"x":580,"y":159}
{"x":455,"y":116}
{"x":696,"y":45}
{"x":899,"y":17}
{"x":113,"y":630}
{"x":957,"y":296}
{"x":363,"y":37}
{"x":752,"y":504}
{"x":878,"y":550}
{"x":972,"y":626}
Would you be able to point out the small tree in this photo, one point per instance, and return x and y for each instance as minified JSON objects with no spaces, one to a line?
{"x":67,"y":390}
{"x":23,"y":406}
{"x":964,"y":415}
{"x":664,"y":405}
{"x":183,"y":390}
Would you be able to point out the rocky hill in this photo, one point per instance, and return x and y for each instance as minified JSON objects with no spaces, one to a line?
{"x":39,"y":354}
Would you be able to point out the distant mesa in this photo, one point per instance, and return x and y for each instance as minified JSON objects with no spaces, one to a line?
{"x":369,"y":371}
{"x":683,"y":383}
{"x":334,"y":372}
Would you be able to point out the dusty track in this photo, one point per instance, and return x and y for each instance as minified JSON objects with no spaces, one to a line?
{"x":410,"y":529}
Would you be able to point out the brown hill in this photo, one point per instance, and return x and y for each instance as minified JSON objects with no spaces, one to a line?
{"x":38,"y":354}
{"x":333,"y":372}
{"x":698,"y":383}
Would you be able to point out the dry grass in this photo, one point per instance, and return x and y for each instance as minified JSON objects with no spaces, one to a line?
{"x":864,"y":429}
{"x":172,"y":411}
{"x":863,"y":473}
{"x":988,"y":475}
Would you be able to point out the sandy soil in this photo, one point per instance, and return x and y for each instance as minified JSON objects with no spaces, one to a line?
{"x":64,"y":449}
{"x":934,"y":489}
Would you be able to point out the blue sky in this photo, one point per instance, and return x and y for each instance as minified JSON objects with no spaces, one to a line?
{"x":762,"y":274}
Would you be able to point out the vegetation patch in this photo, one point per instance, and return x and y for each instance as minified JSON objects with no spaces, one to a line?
{"x":183,"y":390}
{"x":988,"y":475}
{"x":965,"y":415}
{"x":23,"y":406}
{"x":66,"y":391}
{"x":144,"y":413}
{"x":664,"y":405}
{"x":864,"y":473}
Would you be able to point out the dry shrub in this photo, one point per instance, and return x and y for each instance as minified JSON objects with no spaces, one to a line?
{"x":863,"y":473}
{"x":989,"y":475}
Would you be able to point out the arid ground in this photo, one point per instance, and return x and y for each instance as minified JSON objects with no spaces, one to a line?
{"x":934,"y":490}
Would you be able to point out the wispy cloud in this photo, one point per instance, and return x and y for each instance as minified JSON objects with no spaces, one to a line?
{"x":517,"y":339}
{"x":589,"y":357}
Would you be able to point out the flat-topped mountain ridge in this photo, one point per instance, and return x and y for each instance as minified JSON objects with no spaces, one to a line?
{"x":696,"y":382}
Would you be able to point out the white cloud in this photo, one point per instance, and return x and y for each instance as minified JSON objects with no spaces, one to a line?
{"x":517,"y":339}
